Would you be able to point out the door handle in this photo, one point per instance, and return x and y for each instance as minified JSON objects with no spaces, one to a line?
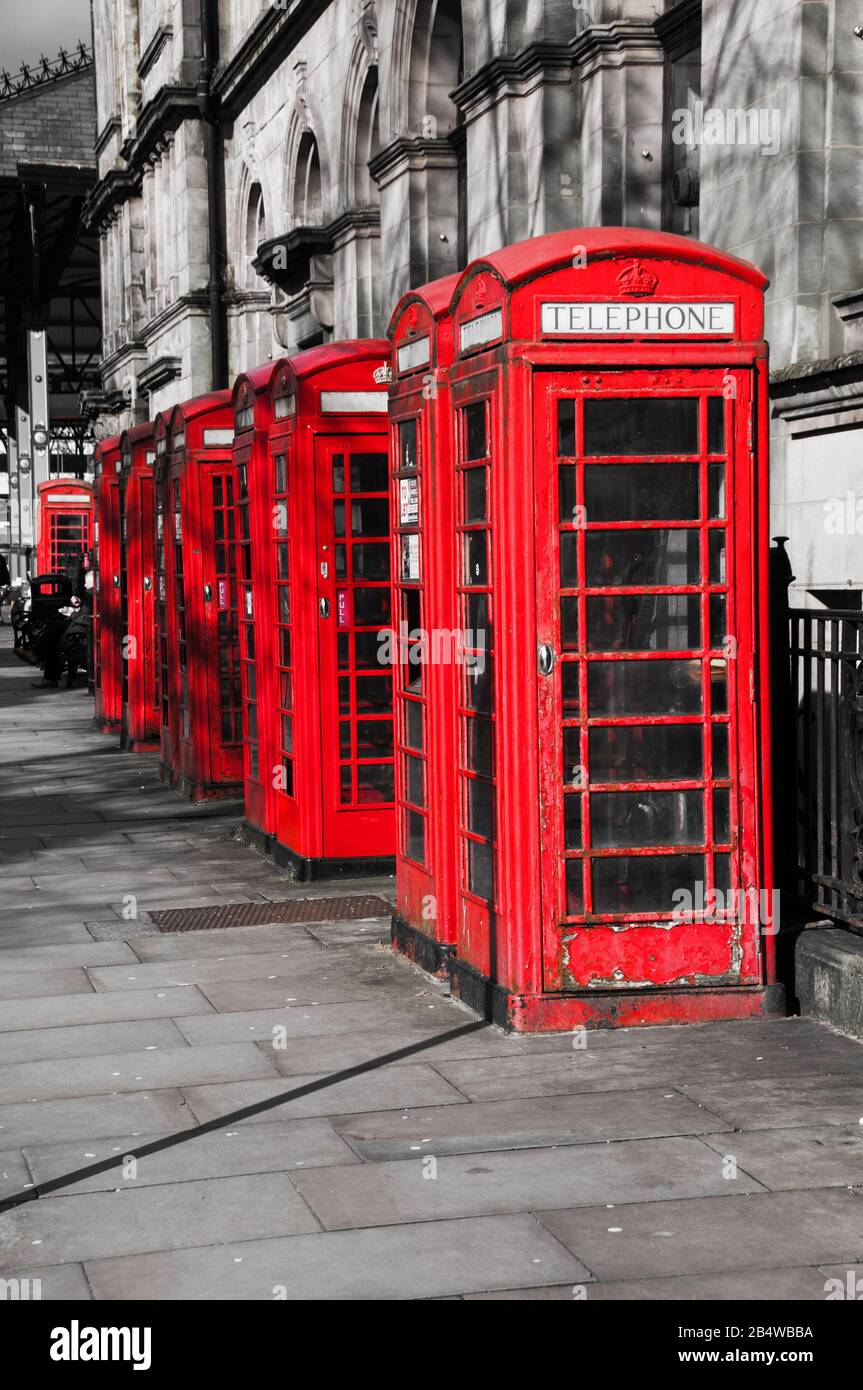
{"x":148,"y":583}
{"x":546,"y":659}
{"x":208,"y":593}
{"x":324,"y":607}
{"x":116,"y":581}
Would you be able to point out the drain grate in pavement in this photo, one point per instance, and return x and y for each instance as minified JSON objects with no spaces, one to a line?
{"x":292,"y":910}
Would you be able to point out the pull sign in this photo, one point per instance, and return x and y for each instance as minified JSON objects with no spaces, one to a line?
{"x":342,"y":608}
{"x":222,"y":592}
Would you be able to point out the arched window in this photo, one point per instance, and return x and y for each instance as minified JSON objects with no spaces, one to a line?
{"x":368,"y":142}
{"x":436,"y":69}
{"x":308,"y":201}
{"x":256,"y":230}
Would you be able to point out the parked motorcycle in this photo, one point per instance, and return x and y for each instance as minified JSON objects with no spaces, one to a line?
{"x":51,"y":628}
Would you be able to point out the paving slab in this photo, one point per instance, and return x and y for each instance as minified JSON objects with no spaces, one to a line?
{"x":20,"y":984}
{"x":54,"y":1121}
{"x":427,"y":1188}
{"x":389,"y":1086}
{"x":324,"y":1025}
{"x":242,"y":996}
{"x":386,"y":1265}
{"x":523,"y":1124}
{"x":115,"y":1007}
{"x":793,"y":1158}
{"x":784,"y":1102}
{"x":14,"y":1173}
{"x":88,"y":1040}
{"x":172,"y":1216}
{"x":60,"y":954}
{"x":304,"y":978}
{"x":801,"y":1284}
{"x":334,"y":1051}
{"x":711,"y":1235}
{"x":262,"y":1148}
{"x":50,"y":1284}
{"x":224,"y":940}
{"x":132,"y":1071}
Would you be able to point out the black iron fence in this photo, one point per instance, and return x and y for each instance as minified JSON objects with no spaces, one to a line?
{"x":818,"y":758}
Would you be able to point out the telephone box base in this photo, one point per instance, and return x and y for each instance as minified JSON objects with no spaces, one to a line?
{"x":559,"y":1013}
{"x":138,"y":745}
{"x":106,"y":726}
{"x":200,"y":791}
{"x":432,"y":956}
{"x":304,"y":869}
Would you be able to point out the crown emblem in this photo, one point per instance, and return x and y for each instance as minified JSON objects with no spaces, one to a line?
{"x":480,"y":293}
{"x":383,"y":375}
{"x":634,"y":279}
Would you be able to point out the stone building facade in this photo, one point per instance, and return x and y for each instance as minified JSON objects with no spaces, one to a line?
{"x":272,"y":175}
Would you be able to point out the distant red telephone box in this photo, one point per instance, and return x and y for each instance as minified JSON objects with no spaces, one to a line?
{"x":608,"y":442}
{"x":107,"y":632}
{"x":252,"y":406}
{"x":196,"y":599}
{"x":423,"y":578}
{"x":140,"y":715}
{"x":65,"y":527}
{"x":314,"y":540}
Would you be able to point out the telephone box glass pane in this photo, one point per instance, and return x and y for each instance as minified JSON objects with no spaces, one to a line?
{"x":629,"y":688}
{"x":644,"y":818}
{"x":641,"y":492}
{"x":654,"y":557}
{"x":475,"y":430}
{"x":644,"y":622}
{"x":641,"y":425}
{"x":407,"y":461}
{"x":370,"y":473}
{"x":644,"y":883}
{"x":646,"y":753}
{"x":716,"y":425}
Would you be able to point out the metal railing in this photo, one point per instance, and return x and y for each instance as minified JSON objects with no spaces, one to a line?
{"x":33,"y":75}
{"x":818,"y":760}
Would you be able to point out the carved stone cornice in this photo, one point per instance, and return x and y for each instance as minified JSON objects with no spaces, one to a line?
{"x":540,"y":62}
{"x":262,"y":51}
{"x":154,"y":48}
{"x":624,"y":43}
{"x":160,"y":372}
{"x":415,"y":153}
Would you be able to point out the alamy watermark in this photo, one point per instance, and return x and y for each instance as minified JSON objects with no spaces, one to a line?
{"x":698,"y":124}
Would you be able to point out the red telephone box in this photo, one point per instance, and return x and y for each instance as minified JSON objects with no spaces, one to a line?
{"x":198,"y":665}
{"x":65,"y":530}
{"x":252,"y":406}
{"x":424,"y":557}
{"x":315,"y":599}
{"x":107,"y":631}
{"x":608,"y":427}
{"x":140,"y":709}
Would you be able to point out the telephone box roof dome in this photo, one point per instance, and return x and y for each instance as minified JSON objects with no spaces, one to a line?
{"x":107,"y":446}
{"x":199,"y":405}
{"x":436,"y":295}
{"x":137,"y":433}
{"x":259,"y":379}
{"x":527,"y":259}
{"x":327,"y":355}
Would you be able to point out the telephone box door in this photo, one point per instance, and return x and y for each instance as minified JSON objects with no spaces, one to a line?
{"x":645,"y":618}
{"x":356,"y":700}
{"x":221,"y":626}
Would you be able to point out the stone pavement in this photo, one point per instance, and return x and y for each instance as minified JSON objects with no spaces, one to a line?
{"x":718,"y":1162}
